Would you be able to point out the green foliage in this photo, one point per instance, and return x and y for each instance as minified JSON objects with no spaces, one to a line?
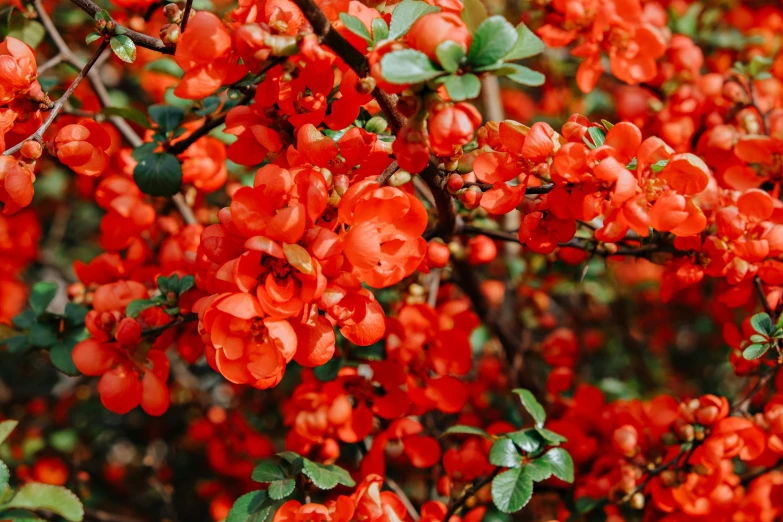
{"x":408,"y":66}
{"x":41,"y":296}
{"x":167,"y":117}
{"x":158,"y":174}
{"x":493,"y":40}
{"x":460,"y":88}
{"x":532,"y":406}
{"x":128,"y":113}
{"x":504,"y":453}
{"x":405,"y":15}
{"x":251,"y":507}
{"x":356,"y":26}
{"x":466,"y":430}
{"x":124,"y":48}
{"x":512,"y":489}
{"x":171,"y":284}
{"x":450,"y":55}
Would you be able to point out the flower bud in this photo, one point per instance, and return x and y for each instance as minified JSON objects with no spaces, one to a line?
{"x":31,"y":149}
{"x":482,"y":250}
{"x":432,"y":29}
{"x":625,"y":440}
{"x":173,"y":13}
{"x":455,"y":183}
{"x":376,"y":125}
{"x":438,"y":254}
{"x":170,"y":33}
{"x":365,"y":85}
{"x":471,"y":197}
{"x":128,"y":332}
{"x":400,"y":178}
{"x":637,"y":500}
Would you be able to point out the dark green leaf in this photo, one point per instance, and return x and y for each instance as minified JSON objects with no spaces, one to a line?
{"x":527,"y":44}
{"x":532,"y":406}
{"x":167,"y":117}
{"x":280,"y":489}
{"x":408,"y":66}
{"x":41,"y":295}
{"x":525,"y":76}
{"x":325,"y":477}
{"x":450,"y":55}
{"x":268,"y":471}
{"x":5,"y":475}
{"x":754,"y":351}
{"x":250,"y":507}
{"x":380,"y":31}
{"x":60,"y":354}
{"x":560,"y":463}
{"x":143,"y":150}
{"x":356,"y":26}
{"x":762,"y":323}
{"x":659,"y":165}
{"x":587,"y":504}
{"x":597,"y":136}
{"x":137,"y":306}
{"x":19,"y":515}
{"x":128,"y":113}
{"x":209,"y":106}
{"x":466,"y":430}
{"x":103,"y":14}
{"x":289,"y":456}
{"x":24,"y":320}
{"x":528,"y":440}
{"x":16,"y":344}
{"x":75,"y":314}
{"x":158,"y":175}
{"x":512,"y":489}
{"x":493,"y":39}
{"x":538,"y":470}
{"x":343,"y":477}
{"x":124,"y":48}
{"x":405,"y":15}
{"x":328,"y":372}
{"x":504,"y":453}
{"x":186,"y":283}
{"x":56,"y":499}
{"x":42,"y":335}
{"x":460,"y":88}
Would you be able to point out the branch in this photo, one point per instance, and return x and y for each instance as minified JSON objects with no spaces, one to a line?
{"x":186,"y":15}
{"x":397,"y":489}
{"x":142,"y":40}
{"x":154,"y":332}
{"x":469,"y":492}
{"x":763,"y":297}
{"x":55,"y":110}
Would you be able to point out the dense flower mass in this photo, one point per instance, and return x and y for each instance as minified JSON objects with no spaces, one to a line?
{"x":417,"y":260}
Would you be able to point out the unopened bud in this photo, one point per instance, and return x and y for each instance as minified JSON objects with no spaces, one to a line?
{"x":366,"y":85}
{"x":100,"y":24}
{"x":399,"y":178}
{"x":281,"y":45}
{"x":111,"y":26}
{"x":31,"y":149}
{"x":341,"y":184}
{"x":128,"y":332}
{"x":471,"y":197}
{"x":376,"y":125}
{"x":169,"y":34}
{"x":637,"y":500}
{"x":173,"y":13}
{"x":455,"y":183}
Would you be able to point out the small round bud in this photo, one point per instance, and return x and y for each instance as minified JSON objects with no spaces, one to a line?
{"x":31,"y":149}
{"x":637,"y":500}
{"x":366,"y":85}
{"x":400,"y":178}
{"x":170,"y":33}
{"x":471,"y":197}
{"x":455,"y":183}
{"x":376,"y":125}
{"x":173,"y":13}
{"x":438,"y":254}
{"x":111,"y":26}
{"x":128,"y":332}
{"x":341,"y":184}
{"x":100,"y":24}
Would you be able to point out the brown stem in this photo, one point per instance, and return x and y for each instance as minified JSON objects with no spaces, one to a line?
{"x":186,"y":15}
{"x":55,"y":110}
{"x":763,"y":297}
{"x":469,"y":492}
{"x":388,"y":172}
{"x":397,"y":489}
{"x":142,"y":40}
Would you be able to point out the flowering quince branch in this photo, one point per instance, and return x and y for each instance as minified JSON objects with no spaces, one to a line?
{"x":142,"y":40}
{"x":60,"y":103}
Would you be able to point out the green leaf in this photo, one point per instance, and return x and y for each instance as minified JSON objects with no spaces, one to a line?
{"x":19,"y":515}
{"x":532,"y":406}
{"x":754,"y":351}
{"x":408,"y":66}
{"x":186,"y":283}
{"x":143,"y":150}
{"x":527,"y":45}
{"x":92,"y":37}
{"x":460,"y":88}
{"x":538,"y":470}
{"x":528,"y":440}
{"x":209,"y":106}
{"x":356,"y":26}
{"x":659,"y":165}
{"x":103,"y":14}
{"x":405,"y":15}
{"x":56,"y":499}
{"x":597,"y":136}
{"x":504,"y":453}
{"x":137,"y":306}
{"x":524,"y":75}
{"x":24,"y":320}
{"x":6,"y":427}
{"x":75,"y":314}
{"x":29,"y":31}
{"x":250,"y":507}
{"x":61,"y":358}
{"x":551,"y":437}
{"x":167,"y":117}
{"x":461,"y":429}
{"x":380,"y":31}
{"x":343,"y":477}
{"x":328,"y":372}
{"x":128,"y":113}
{"x":512,"y":489}
{"x":41,"y":295}
{"x":280,"y":489}
{"x":326,"y":477}
{"x":450,"y":55}
{"x":289,"y":456}
{"x":560,"y":463}
{"x":586,"y":504}
{"x":124,"y":48}
{"x":493,"y":39}
{"x":42,"y":335}
{"x":5,"y":476}
{"x":473,"y":13}
{"x":268,"y":471}
{"x":16,"y":344}
{"x":762,"y":323}
{"x":158,"y":174}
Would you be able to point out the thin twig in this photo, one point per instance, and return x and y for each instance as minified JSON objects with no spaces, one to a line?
{"x":469,"y":492}
{"x":388,"y":172}
{"x":397,"y":489}
{"x":186,"y":15}
{"x":763,"y":297}
{"x":57,"y":107}
{"x":142,"y":40}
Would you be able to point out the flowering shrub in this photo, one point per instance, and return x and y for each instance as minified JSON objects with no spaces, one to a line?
{"x":417,"y":260}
